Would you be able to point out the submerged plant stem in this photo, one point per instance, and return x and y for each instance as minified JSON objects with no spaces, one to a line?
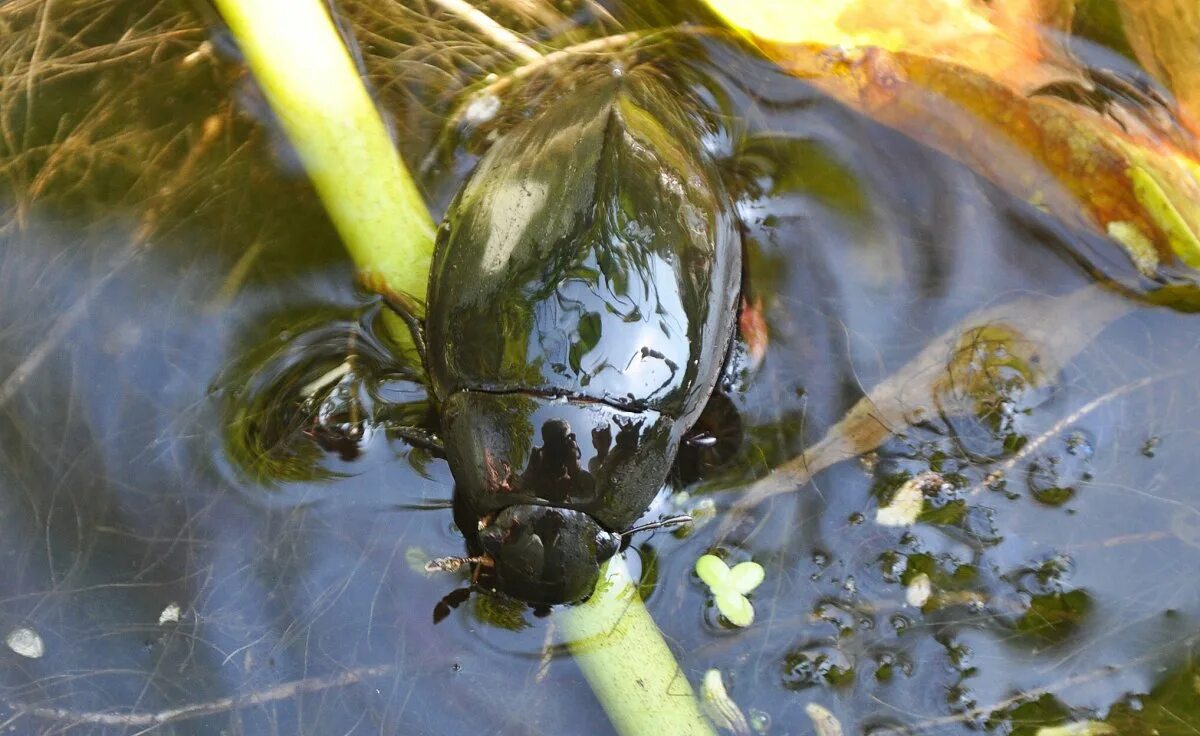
{"x":315,"y":92}
{"x":311,"y":84}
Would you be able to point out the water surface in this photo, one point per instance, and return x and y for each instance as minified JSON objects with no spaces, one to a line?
{"x":169,"y":287}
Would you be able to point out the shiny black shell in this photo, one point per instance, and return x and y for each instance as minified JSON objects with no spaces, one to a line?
{"x":582,"y":301}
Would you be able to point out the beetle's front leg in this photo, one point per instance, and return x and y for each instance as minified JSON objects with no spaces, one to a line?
{"x":406,"y":311}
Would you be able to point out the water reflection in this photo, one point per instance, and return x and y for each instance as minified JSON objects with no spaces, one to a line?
{"x":515,"y":448}
{"x":304,"y":608}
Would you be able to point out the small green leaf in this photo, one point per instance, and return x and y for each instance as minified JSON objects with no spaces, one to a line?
{"x":730,"y":586}
{"x":712,"y":570}
{"x":735,"y":607}
{"x":746,"y":576}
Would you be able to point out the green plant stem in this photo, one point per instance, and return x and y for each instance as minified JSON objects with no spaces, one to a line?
{"x":312,"y":86}
{"x":627,"y":662}
{"x":314,"y":90}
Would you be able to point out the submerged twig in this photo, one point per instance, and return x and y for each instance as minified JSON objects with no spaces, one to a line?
{"x":495,"y":32}
{"x":542,"y":63}
{"x":594,"y":46}
{"x":207,"y":708}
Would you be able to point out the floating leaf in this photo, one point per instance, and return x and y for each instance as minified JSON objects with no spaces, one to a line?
{"x":729,"y":587}
{"x":1046,"y":332}
{"x":975,"y":80}
{"x":712,"y":570}
{"x":1164,"y":36}
{"x":746,"y":576}
{"x":999,"y":38}
{"x":735,"y":607}
{"x":1055,"y":617}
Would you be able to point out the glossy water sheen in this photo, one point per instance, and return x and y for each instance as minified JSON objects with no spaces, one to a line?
{"x":155,"y":282}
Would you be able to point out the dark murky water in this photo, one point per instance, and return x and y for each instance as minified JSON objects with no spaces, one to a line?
{"x":161,"y":330}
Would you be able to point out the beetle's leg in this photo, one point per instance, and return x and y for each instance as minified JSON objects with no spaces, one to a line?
{"x":713,"y":440}
{"x":660,"y":524}
{"x":417,"y":437}
{"x":406,"y":312}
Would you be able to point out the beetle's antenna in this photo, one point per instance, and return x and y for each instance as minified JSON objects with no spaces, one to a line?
{"x":454,"y":564}
{"x":669,"y":521}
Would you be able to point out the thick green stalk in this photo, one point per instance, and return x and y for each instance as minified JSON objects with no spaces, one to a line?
{"x":315,"y":91}
{"x":627,"y":662}
{"x":313,"y":88}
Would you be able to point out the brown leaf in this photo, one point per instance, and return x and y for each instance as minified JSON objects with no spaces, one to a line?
{"x":968,"y":78}
{"x":1035,"y":337}
{"x":1165,"y":35}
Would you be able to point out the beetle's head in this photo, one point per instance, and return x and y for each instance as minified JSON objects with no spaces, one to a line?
{"x":544,"y":554}
{"x":551,"y":479}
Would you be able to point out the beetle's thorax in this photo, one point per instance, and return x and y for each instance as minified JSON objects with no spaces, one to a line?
{"x":518,"y":448}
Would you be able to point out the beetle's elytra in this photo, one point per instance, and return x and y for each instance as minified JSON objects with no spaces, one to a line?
{"x":580,"y":309}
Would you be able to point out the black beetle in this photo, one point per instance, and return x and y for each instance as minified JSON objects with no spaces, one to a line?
{"x":582,"y":302}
